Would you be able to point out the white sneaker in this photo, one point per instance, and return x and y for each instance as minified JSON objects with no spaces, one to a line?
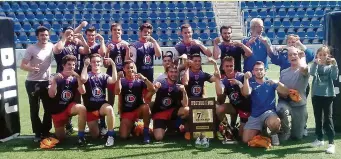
{"x":331,"y":149}
{"x":86,"y":130}
{"x":317,"y":143}
{"x":274,"y":140}
{"x":305,"y":133}
{"x":198,"y":141}
{"x":205,"y":143}
{"x":110,"y":141}
{"x":104,"y":131}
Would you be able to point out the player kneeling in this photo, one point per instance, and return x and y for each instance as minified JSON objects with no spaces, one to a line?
{"x":62,"y":91}
{"x":95,"y":98}
{"x":169,"y":98}
{"x":129,"y":89}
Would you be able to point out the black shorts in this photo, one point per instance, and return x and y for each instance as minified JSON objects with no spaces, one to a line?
{"x":167,"y":121}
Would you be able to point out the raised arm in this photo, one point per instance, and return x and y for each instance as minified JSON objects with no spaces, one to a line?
{"x":216,"y":49}
{"x":118,"y":85}
{"x":150,"y":86}
{"x":334,"y":69}
{"x":113,"y":78}
{"x":184,"y":100}
{"x":246,"y":89}
{"x":157,"y":48}
{"x":103,"y":49}
{"x":216,"y":70}
{"x":80,"y":27}
{"x":59,"y":46}
{"x":84,"y":49}
{"x":84,"y":74}
{"x":81,"y":87}
{"x":205,"y":50}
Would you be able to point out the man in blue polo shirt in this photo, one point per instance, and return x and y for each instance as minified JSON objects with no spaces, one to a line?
{"x":260,"y":46}
{"x":263,"y":99}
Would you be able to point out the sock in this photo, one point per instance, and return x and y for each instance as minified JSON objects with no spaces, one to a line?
{"x":81,"y":134}
{"x":102,"y":123}
{"x":111,"y":133}
{"x":145,"y":130}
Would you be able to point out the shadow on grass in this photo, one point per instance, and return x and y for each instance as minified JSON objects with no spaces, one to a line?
{"x":171,"y":143}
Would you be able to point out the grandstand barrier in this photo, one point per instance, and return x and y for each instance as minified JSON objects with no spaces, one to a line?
{"x":157,"y":61}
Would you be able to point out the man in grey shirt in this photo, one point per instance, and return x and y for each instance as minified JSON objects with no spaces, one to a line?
{"x":295,"y":78}
{"x":37,"y":62}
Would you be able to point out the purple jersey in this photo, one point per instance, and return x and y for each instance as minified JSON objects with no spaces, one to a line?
{"x":69,"y":49}
{"x":234,"y":51}
{"x":131,"y":94}
{"x":168,"y":96}
{"x":143,"y":55}
{"x":234,"y":94}
{"x":93,"y":49}
{"x":66,"y":91}
{"x":95,"y":87}
{"x":188,"y":49}
{"x":196,"y":83}
{"x":117,"y":54}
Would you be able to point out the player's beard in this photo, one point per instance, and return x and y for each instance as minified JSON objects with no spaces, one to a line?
{"x":259,"y":76}
{"x":227,"y":40}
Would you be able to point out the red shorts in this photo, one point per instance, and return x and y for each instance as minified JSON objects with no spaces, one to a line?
{"x":91,"y":116}
{"x":144,"y":93}
{"x":111,"y":87}
{"x":132,"y":116}
{"x":243,"y":114}
{"x":164,"y":115}
{"x":59,"y":120}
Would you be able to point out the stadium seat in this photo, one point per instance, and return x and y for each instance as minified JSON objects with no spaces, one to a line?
{"x":144,"y":6}
{"x":22,"y":38}
{"x":162,"y":6}
{"x":133,"y":37}
{"x":282,"y":12}
{"x":40,"y":17}
{"x":212,"y":25}
{"x":210,"y":15}
{"x":173,"y":26}
{"x":250,"y":4}
{"x":27,"y":27}
{"x":54,"y":38}
{"x":189,"y":5}
{"x":204,"y":37}
{"x":190,"y":15}
{"x":253,"y":13}
{"x":306,"y":41}
{"x":33,"y":39}
{"x":198,"y":5}
{"x":320,"y":34}
{"x":181,"y":16}
{"x":17,"y":27}
{"x":319,"y":13}
{"x":171,"y":16}
{"x":277,"y":22}
{"x":201,"y":25}
{"x":286,"y":22}
{"x":278,"y":4}
{"x":263,"y":13}
{"x":286,"y":4}
{"x":323,"y":3}
{"x":275,"y":42}
{"x":310,"y":12}
{"x":171,"y":6}
{"x":33,"y":7}
{"x":163,"y":38}
{"x":281,"y":34}
{"x":56,"y":27}
{"x":134,"y":26}
{"x":300,"y":12}
{"x":291,"y":12}
{"x":268,"y":4}
{"x":259,"y":4}
{"x":174,"y":37}
{"x":70,"y":7}
{"x":311,"y":34}
{"x":270,"y":35}
{"x":305,"y":22}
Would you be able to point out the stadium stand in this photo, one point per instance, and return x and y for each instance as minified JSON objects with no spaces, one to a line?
{"x":166,"y":17}
{"x":280,"y":18}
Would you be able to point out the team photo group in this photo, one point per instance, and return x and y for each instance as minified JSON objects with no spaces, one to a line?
{"x":80,"y":88}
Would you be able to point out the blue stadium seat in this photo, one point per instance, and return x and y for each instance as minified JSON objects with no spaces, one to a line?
{"x":71,"y":7}
{"x":23,"y":38}
{"x":116,"y":17}
{"x":47,"y":25}
{"x":106,"y":17}
{"x":27,"y":27}
{"x":281,"y":34}
{"x":171,"y":16}
{"x":134,"y":26}
{"x":319,"y":13}
{"x":80,"y":7}
{"x":195,"y":36}
{"x":291,"y":12}
{"x":54,"y":38}
{"x":36,"y":25}
{"x":33,"y":39}
{"x":243,"y":4}
{"x":171,"y":6}
{"x":135,"y":6}
{"x":174,"y":36}
{"x":212,"y":25}
{"x":153,"y":16}
{"x":306,"y":41}
{"x":263,"y":13}
{"x":213,"y":35}
{"x":190,"y":15}
{"x":193,"y":25}
{"x":162,"y":16}
{"x":268,"y":4}
{"x":40,"y":17}
{"x":59,"y":17}
{"x":311,"y":34}
{"x":125,"y":16}
{"x":259,"y":4}
{"x":272,"y":13}
{"x":332,"y":3}
{"x":181,"y":16}
{"x":200,"y":15}
{"x":173,"y":26}
{"x":296,"y":3}
{"x":87,"y":16}
{"x":204,"y":36}
{"x":316,"y":41}
{"x":210,"y":15}
{"x":134,"y":16}
{"x":198,"y":5}
{"x":275,"y":42}
{"x":270,"y":35}
{"x":315,"y":23}
{"x":278,"y":4}
{"x":286,"y":4}
{"x":144,"y":6}
{"x":89,"y":6}
{"x":253,"y":13}
{"x":17,"y":27}
{"x":286,"y":22}
{"x":189,"y":5}
{"x":300,"y":12}
{"x":163,"y":38}
{"x":310,"y":12}
{"x":201,"y":25}
{"x":320,"y":34}
{"x":143,"y":16}
{"x":98,"y":7}
{"x":97,"y":16}
{"x":153,"y":6}
{"x":301,"y":33}
{"x":250,"y":4}
{"x":282,"y":12}
{"x":125,"y":37}
{"x":24,"y":6}
{"x":305,"y":4}
{"x":105,"y":27}
{"x":15,"y":7}
{"x":49,"y":17}
{"x":305,"y":23}
{"x":162,"y":6}
{"x":33,"y":6}
{"x":323,"y":3}
{"x":117,"y":6}
{"x":267,"y":23}
{"x":60,"y":6}
{"x":56,"y":27}
{"x":314,"y":3}
{"x":21,"y":17}
{"x":207,"y":4}
{"x":277,"y":22}
{"x":163,"y":26}
{"x":133,"y":37}
{"x":155,"y":36}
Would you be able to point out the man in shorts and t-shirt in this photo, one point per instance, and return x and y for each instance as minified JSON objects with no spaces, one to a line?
{"x":263,"y":99}
{"x":95,"y":97}
{"x":171,"y":102}
{"x":64,"y":86}
{"x":132,"y":106}
{"x":231,"y":86}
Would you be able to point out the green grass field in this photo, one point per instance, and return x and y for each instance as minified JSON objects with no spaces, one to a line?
{"x":172,"y":147}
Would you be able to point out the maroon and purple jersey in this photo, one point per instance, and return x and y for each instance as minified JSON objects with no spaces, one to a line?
{"x":187,"y":49}
{"x":167,"y":96}
{"x":93,"y":49}
{"x":95,"y":87}
{"x":117,"y":53}
{"x":143,"y":55}
{"x":196,"y":83}
{"x":234,"y":51}
{"x":66,"y":91}
{"x":131,"y":94}
{"x":69,"y":49}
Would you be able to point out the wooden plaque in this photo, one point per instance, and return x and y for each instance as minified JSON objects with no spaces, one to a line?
{"x":202,"y":117}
